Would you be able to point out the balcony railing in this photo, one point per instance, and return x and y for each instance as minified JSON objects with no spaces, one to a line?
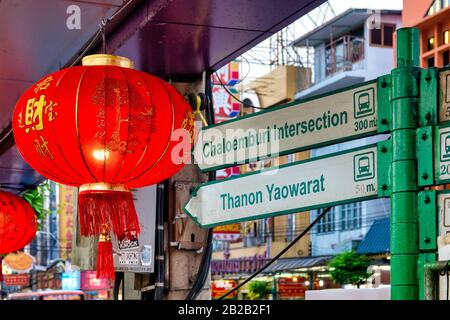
{"x":343,"y":53}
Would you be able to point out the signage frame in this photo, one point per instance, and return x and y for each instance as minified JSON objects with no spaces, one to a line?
{"x":378,"y":129}
{"x":295,"y":210}
{"x":440,"y":94}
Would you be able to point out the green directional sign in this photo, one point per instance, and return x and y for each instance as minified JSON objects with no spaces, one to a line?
{"x":442,"y":158}
{"x":344,"y":177}
{"x":443,"y":231}
{"x":444,"y":96}
{"x":323,"y":120}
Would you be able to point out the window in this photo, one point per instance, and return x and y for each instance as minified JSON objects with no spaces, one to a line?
{"x":445,"y":58}
{"x":342,"y":53}
{"x":388,"y":34}
{"x":430,"y":62}
{"x":351,"y":216}
{"x":437,"y":5}
{"x":326,"y":224}
{"x":383,"y":36}
{"x":375,"y":37}
{"x":430,"y":43}
{"x":445,"y":37}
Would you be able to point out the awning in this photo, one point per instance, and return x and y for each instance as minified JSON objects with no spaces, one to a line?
{"x":334,"y":82}
{"x":377,"y":239}
{"x":338,"y":26}
{"x":290,"y":264}
{"x":173,"y":39}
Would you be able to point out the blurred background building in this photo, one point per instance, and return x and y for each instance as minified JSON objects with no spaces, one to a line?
{"x":338,"y":51}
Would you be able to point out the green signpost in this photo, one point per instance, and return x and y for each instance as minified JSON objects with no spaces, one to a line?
{"x":329,"y":180}
{"x":323,"y":120}
{"x":411,"y":103}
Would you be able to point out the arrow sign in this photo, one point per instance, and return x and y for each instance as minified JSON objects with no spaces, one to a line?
{"x":323,"y":120}
{"x":344,"y":177}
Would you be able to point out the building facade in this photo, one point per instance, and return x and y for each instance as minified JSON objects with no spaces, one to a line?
{"x":236,"y":256}
{"x":354,"y":47}
{"x":432,"y":18}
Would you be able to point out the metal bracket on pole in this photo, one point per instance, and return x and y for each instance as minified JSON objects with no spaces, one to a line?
{"x":427,"y":212}
{"x":425,"y":156}
{"x":384,"y":85}
{"x":427,"y":267}
{"x":384,"y":159}
{"x":428,"y":103}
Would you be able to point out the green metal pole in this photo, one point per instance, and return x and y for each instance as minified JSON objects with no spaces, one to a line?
{"x":404,"y":218}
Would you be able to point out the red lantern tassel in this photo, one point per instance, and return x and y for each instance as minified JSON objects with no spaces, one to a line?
{"x":105,"y":261}
{"x":113,"y":205}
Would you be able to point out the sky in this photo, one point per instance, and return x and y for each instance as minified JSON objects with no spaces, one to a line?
{"x":342,"y":5}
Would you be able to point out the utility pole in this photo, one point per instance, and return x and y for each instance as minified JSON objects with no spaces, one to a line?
{"x":404,"y":217}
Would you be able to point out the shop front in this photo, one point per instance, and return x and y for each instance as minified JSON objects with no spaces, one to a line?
{"x":95,"y":289}
{"x":221,"y":287}
{"x":286,"y":279}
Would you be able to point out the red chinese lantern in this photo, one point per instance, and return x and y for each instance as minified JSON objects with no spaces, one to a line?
{"x":18,"y":224}
{"x":103,"y":127}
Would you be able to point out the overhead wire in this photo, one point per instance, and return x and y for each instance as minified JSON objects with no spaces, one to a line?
{"x":205,"y":262}
{"x":233,"y":96}
{"x":300,"y":227}
{"x":301,"y":235}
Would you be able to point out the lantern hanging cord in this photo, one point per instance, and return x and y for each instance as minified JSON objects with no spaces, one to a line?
{"x":103,"y":33}
{"x":198,"y":112}
{"x":94,"y":39}
{"x":320,"y":216}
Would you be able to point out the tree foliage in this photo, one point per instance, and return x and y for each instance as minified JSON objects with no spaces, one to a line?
{"x":349,"y":268}
{"x":258,"y":289}
{"x":35,"y":197}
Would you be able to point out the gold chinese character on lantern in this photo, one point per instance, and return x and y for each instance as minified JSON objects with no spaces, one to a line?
{"x":34,"y":111}
{"x":189,"y":124}
{"x":49,"y":110}
{"x":42,"y":148}
{"x":43,"y":84}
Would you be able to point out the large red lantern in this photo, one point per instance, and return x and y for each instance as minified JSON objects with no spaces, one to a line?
{"x":105,"y":128}
{"x":18,"y":225}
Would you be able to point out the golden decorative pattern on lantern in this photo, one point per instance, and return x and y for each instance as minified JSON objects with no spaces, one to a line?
{"x":103,"y":186}
{"x":42,"y":148}
{"x":44,"y":84}
{"x":115,"y":143}
{"x":107,"y":60}
{"x":189,"y":124}
{"x":104,"y":236}
{"x":37,"y":107}
{"x":34,"y":114}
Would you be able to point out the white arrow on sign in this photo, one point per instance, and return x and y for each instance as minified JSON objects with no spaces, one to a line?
{"x":340,"y":115}
{"x":344,"y":177}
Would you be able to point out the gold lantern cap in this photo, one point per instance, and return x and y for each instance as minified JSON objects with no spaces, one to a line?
{"x":103,"y":186}
{"x":107,"y":60}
